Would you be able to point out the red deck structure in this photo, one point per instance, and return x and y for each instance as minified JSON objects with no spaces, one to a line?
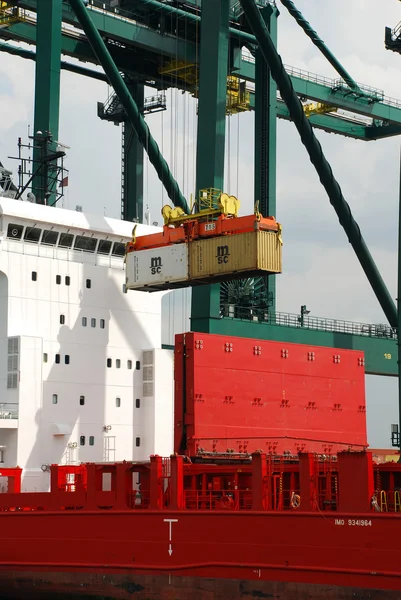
{"x":242,"y":395}
{"x":207,"y":531}
{"x":223,"y":521}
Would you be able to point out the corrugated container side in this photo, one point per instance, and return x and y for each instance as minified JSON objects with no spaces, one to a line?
{"x":253,"y":251}
{"x":269,"y":252}
{"x":157,"y":266}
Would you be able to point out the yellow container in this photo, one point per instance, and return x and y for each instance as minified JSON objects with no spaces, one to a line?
{"x":253,"y":253}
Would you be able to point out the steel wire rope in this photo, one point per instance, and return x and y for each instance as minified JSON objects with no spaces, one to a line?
{"x":238,"y":120}
{"x":195,"y":114}
{"x":184,"y":116}
{"x":318,"y":159}
{"x":228,"y":152}
{"x":238,"y":136}
{"x":162,"y":111}
{"x":176,"y":124}
{"x":171,"y":104}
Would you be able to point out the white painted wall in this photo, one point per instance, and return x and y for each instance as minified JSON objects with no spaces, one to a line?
{"x":31,"y":309}
{"x":3,"y":332}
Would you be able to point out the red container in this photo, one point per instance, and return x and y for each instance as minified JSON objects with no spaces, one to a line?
{"x":245,"y":395}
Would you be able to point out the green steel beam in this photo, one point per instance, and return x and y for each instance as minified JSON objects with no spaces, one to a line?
{"x":319,"y":161}
{"x":30,"y":55}
{"x":384,"y":130}
{"x":127,"y":31}
{"x":212,"y":95}
{"x":130,"y":107}
{"x":380,"y":353}
{"x":266,"y":137}
{"x":328,"y":91}
{"x":154,"y":47}
{"x":80,"y":49}
{"x":326,"y":122}
{"x":214,"y":52}
{"x":331,"y":124}
{"x":132,"y":176}
{"x":47,"y":95}
{"x":319,"y":43}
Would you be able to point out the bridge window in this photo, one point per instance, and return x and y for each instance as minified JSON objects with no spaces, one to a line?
{"x":83,"y":242}
{"x":49,"y":237}
{"x":15,"y":231}
{"x":66,"y":240}
{"x":104,"y":247}
{"x":32,"y":234}
{"x":118,"y":249}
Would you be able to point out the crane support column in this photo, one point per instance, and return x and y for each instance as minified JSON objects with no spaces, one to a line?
{"x":47,"y":93}
{"x":132,"y":164}
{"x":318,"y":159}
{"x":129,"y":104}
{"x":212,"y":95}
{"x":266,"y":136}
{"x":214,"y":43}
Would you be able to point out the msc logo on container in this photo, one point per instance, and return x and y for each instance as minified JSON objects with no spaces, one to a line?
{"x":156,"y":265}
{"x":222,"y":254}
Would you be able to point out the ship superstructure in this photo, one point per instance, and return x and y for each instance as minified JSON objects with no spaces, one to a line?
{"x":81,"y":364}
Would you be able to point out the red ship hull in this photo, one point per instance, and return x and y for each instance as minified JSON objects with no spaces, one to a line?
{"x":213,"y":555}
{"x":222,"y":518}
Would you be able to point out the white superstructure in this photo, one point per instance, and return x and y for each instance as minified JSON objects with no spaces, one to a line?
{"x":82,"y":373}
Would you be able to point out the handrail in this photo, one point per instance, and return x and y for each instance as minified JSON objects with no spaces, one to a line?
{"x":281,"y":319}
{"x":9,"y":410}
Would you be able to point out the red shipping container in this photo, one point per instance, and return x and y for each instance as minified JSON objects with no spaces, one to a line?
{"x":245,"y":395}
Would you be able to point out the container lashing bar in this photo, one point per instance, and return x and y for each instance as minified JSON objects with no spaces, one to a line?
{"x":318,"y":159}
{"x":129,"y":104}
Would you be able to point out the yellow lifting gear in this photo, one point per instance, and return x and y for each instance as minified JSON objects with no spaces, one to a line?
{"x":212,"y":203}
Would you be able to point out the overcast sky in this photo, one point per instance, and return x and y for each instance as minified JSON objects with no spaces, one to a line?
{"x":320,"y":269}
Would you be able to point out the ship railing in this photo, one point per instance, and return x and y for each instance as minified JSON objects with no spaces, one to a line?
{"x":389,"y":500}
{"x":9,"y":411}
{"x":263,"y":316}
{"x":241,"y":500}
{"x":218,"y":499}
{"x":68,"y":254}
{"x":140,"y":499}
